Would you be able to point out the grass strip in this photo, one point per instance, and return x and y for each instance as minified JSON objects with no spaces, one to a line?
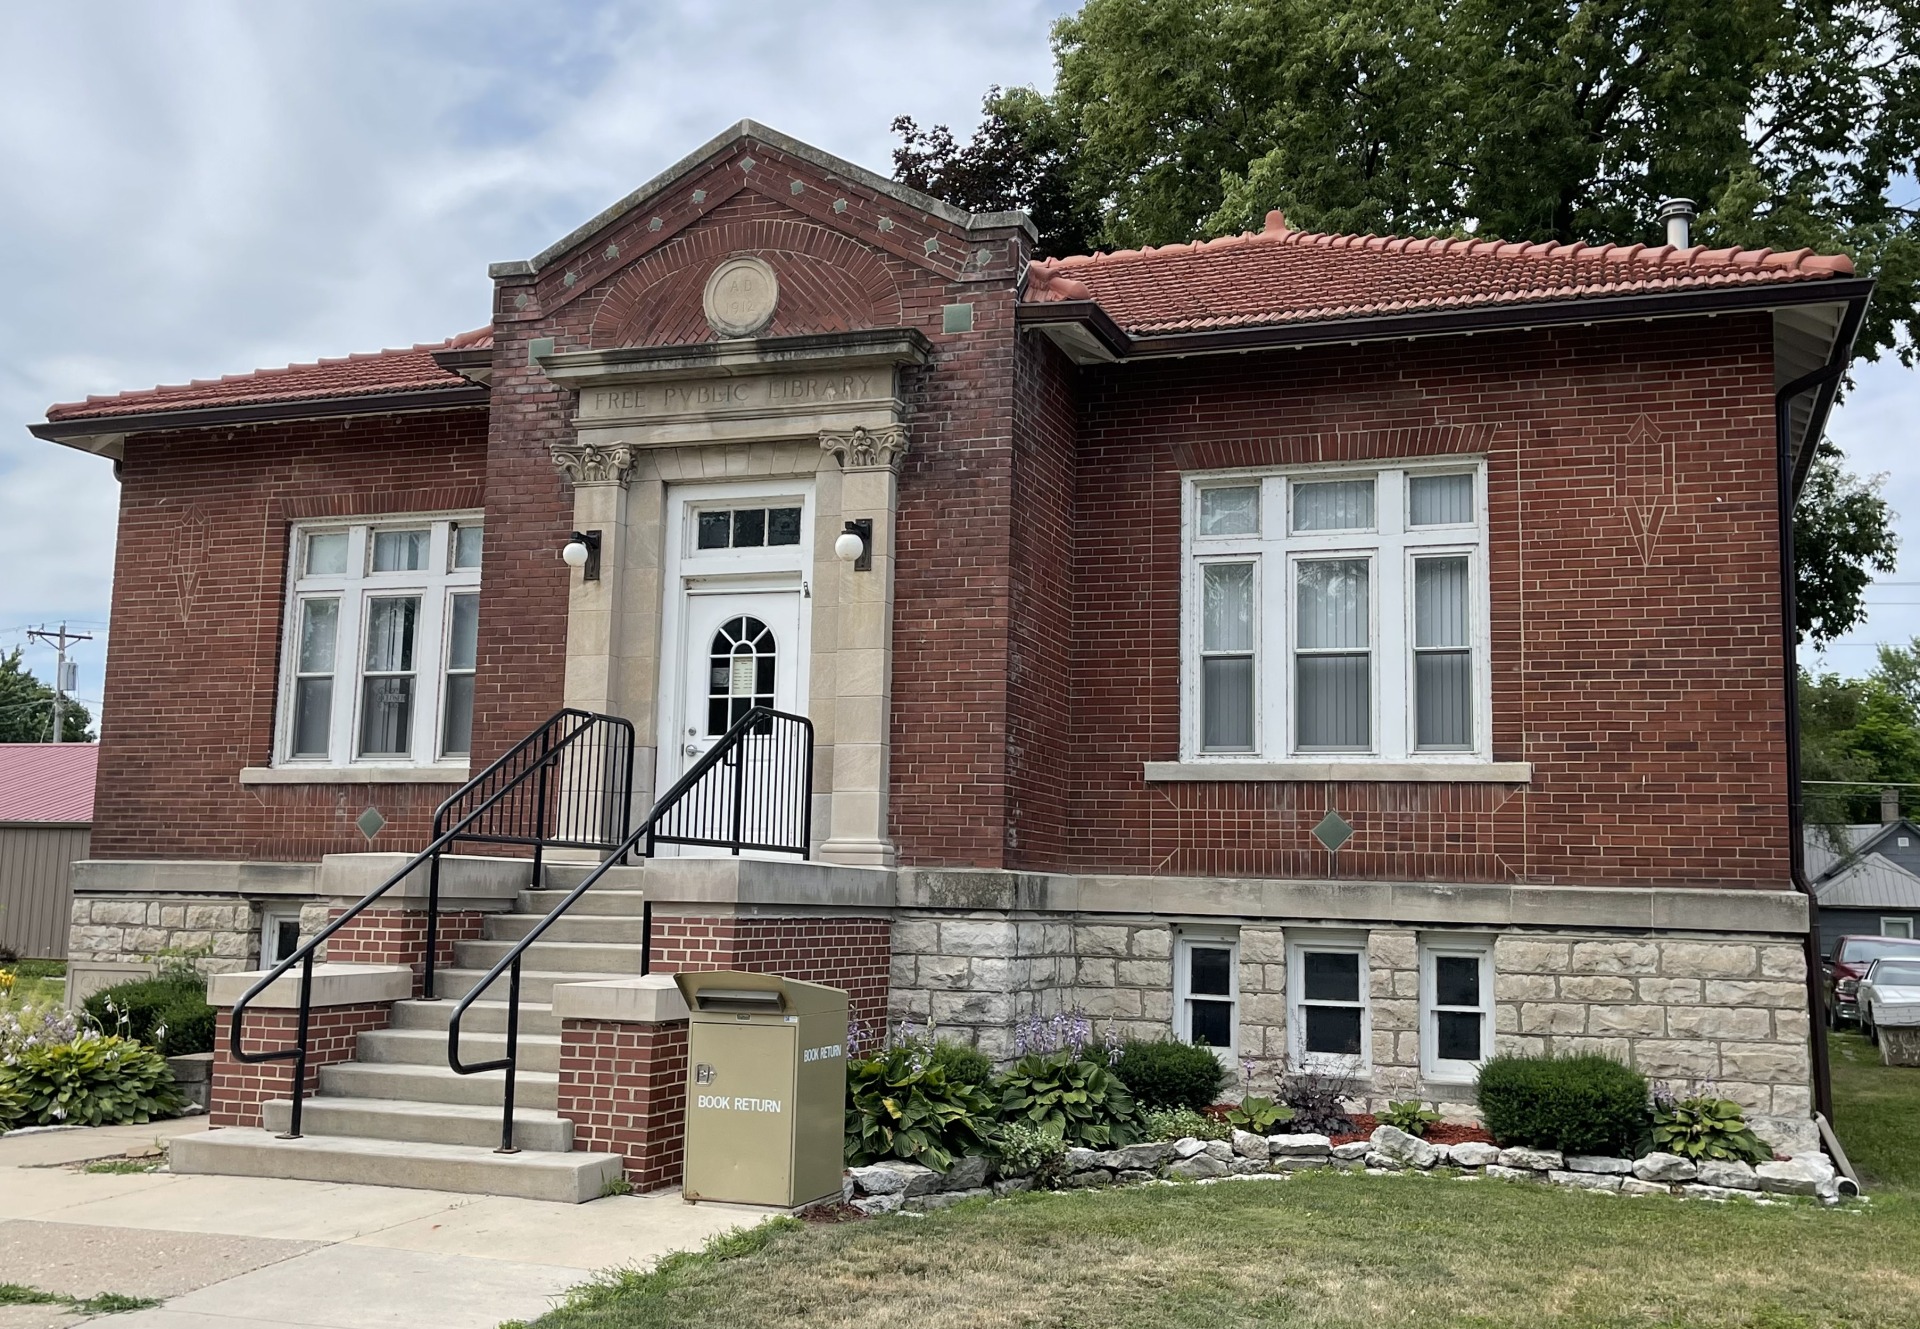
{"x":107,"y":1303}
{"x":620,"y":1293}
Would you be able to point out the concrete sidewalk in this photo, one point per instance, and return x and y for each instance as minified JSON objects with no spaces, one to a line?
{"x":248,"y":1253}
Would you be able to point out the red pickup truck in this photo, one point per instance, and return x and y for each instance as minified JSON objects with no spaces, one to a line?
{"x":1844,"y":969}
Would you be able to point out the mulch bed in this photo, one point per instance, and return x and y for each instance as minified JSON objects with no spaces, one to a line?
{"x":1441,"y":1132}
{"x":832,"y":1213}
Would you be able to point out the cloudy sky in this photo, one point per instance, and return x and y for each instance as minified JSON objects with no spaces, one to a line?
{"x":201,"y":188}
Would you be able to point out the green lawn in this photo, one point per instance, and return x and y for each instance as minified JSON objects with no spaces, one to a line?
{"x":1334,"y":1252}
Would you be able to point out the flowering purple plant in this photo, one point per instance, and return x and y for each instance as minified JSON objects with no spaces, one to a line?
{"x":1068,"y":1031}
{"x":46,"y":1026}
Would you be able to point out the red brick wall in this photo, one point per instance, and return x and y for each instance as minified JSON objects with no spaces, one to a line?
{"x":1642,"y":680}
{"x":399,"y":936}
{"x":848,"y":953}
{"x":239,"y":1088}
{"x":624,"y":1088}
{"x":198,"y":592}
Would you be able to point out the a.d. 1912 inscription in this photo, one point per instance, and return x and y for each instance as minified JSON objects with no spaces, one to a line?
{"x":772,"y":392}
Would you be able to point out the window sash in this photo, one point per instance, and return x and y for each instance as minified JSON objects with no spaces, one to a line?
{"x":1436,"y":1015}
{"x":1199,"y":1013}
{"x":1328,"y":1013}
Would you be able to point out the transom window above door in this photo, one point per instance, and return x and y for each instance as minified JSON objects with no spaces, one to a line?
{"x":756,"y":527}
{"x":1336,"y":614}
{"x":382,"y":635}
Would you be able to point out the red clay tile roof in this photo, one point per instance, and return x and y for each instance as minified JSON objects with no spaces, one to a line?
{"x":410,"y":369}
{"x":1282,"y":276}
{"x":47,"y":781}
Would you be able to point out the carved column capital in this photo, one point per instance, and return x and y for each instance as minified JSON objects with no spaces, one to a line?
{"x":863,"y":449}
{"x":594,"y":463}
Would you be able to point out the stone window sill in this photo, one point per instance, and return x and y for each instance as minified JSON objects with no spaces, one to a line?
{"x":353,"y":775}
{"x":1415,"y":772}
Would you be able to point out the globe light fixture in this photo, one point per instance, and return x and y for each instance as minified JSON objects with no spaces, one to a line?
{"x":582,"y":551}
{"x":854,"y":544}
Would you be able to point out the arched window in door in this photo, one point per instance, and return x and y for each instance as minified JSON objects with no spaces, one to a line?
{"x":740,"y":674}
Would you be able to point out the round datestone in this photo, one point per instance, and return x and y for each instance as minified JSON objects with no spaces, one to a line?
{"x":740,"y":296}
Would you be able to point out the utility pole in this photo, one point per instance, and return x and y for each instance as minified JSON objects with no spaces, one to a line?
{"x":65,"y":676}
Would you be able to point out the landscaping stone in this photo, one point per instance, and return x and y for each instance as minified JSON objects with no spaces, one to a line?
{"x":1665,"y":1167}
{"x":1475,"y":1154}
{"x":1133,"y":1176}
{"x":1619,"y":1167}
{"x":1098,"y":1176}
{"x":1792,"y":1177}
{"x":1246,"y":1167}
{"x":1586,"y":1181}
{"x":1512,"y":1173}
{"x":1079,"y":1160}
{"x":1731,"y":1176}
{"x":875,"y":1205}
{"x":1188,"y":1147}
{"x":1353,"y":1152}
{"x":1442,"y":1154}
{"x":926,"y":1204}
{"x":1300,"y":1146}
{"x":1792,"y":1136}
{"x":1635,"y":1186}
{"x":1379,"y":1162}
{"x":896,"y":1177}
{"x":1197,"y":1167}
{"x":1534,"y":1160}
{"x":1298,"y":1164}
{"x":966,"y":1174}
{"x":1700,"y":1192}
{"x":1248,"y":1145}
{"x":1220,"y":1149}
{"x":1409,"y":1150}
{"x":1135,"y":1156}
{"x":1012,"y":1186}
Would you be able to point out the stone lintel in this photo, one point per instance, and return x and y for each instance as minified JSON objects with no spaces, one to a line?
{"x":203,"y":877}
{"x":333,"y":985}
{"x":765,"y":881}
{"x":648,"y":999}
{"x":748,"y":356}
{"x":467,"y":881}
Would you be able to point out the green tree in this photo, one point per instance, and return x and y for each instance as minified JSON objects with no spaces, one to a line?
{"x":1856,"y":736}
{"x":1842,"y":535}
{"x":26,"y":708}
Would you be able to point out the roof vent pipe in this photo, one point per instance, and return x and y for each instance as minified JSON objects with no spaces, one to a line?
{"x":1677,"y":213}
{"x":1889,"y":806}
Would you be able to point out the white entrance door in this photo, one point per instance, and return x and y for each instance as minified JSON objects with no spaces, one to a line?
{"x":741,"y":651}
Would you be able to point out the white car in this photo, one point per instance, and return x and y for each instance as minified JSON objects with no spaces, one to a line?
{"x":1890,"y":996}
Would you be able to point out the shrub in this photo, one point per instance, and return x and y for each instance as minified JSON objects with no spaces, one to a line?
{"x":1259,"y":1115}
{"x":1182,"y":1123}
{"x":1081,"y":1101}
{"x":963,"y":1065}
{"x":1409,"y":1116}
{"x":1165,"y":1073}
{"x":1031,"y":1151}
{"x":901,"y":1104}
{"x":169,"y":1013}
{"x":1581,"y":1105}
{"x":1317,"y":1099}
{"x":95,"y":1080}
{"x":1706,"y":1127}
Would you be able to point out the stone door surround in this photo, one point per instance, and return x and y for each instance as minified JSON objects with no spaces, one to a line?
{"x":829,"y":408}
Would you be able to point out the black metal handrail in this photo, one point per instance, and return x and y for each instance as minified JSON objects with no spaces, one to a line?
{"x":487,"y":795}
{"x":752,"y":791}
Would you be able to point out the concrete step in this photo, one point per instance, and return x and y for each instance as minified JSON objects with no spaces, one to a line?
{"x":238,"y":1151}
{"x":570,"y":926}
{"x":564,"y":876}
{"x":476,"y":1124}
{"x":536,"y":985}
{"x":553,"y":956}
{"x":428,"y":1047}
{"x":604,"y":899}
{"x":438,"y":1084}
{"x":483,"y":1017}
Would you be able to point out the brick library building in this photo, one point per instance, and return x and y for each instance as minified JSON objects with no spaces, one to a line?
{"x":1361,"y":654}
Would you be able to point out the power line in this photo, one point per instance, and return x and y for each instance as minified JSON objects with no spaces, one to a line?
{"x":65,"y":675}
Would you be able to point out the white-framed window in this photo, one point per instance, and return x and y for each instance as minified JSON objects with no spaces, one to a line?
{"x":1206,"y":989}
{"x":1329,"y":1013}
{"x":279,"y":934}
{"x":1337,"y":613}
{"x":1896,"y":927}
{"x":1456,"y":1007}
{"x":382,"y":629}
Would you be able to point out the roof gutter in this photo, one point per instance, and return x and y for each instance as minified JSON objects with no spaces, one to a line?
{"x":1792,"y":470}
{"x":108,"y":430}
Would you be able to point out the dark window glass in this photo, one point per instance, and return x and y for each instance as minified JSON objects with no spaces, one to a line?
{"x":1334,"y":1030}
{"x":386,"y":720}
{"x":1332,"y":976}
{"x":763,"y":679}
{"x":457,"y":727}
{"x":1458,"y":1036}
{"x":286,"y":939}
{"x":714,"y":528}
{"x":1456,"y":980}
{"x":1209,"y":971}
{"x":749,"y":528}
{"x":1212,"y":1022}
{"x":783,"y":526}
{"x":717,"y":721}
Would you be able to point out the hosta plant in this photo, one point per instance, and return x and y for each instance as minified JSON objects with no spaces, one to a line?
{"x":1082,"y":1101}
{"x":1258,"y":1114}
{"x":902,"y":1103}
{"x":1409,"y":1116}
{"x":1031,"y":1151}
{"x":1182,"y":1124}
{"x":94,"y":1080}
{"x":1706,"y":1127}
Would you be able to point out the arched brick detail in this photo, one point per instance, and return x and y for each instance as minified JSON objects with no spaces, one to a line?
{"x":828,"y":283}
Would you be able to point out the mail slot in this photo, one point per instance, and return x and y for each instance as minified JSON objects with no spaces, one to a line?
{"x":766,"y":1088}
